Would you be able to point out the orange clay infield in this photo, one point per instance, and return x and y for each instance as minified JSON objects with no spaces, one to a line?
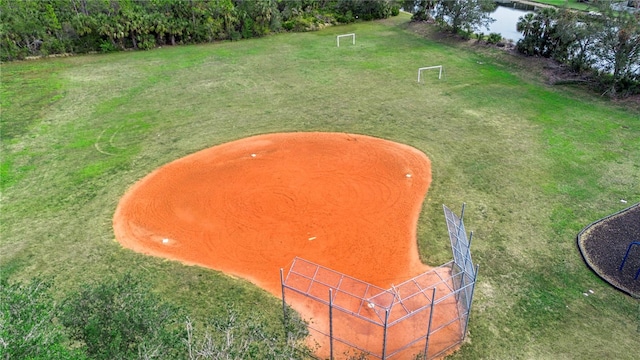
{"x":347,"y":202}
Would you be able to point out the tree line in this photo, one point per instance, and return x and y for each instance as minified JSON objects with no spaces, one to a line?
{"x":601,"y":46}
{"x":46,"y":27}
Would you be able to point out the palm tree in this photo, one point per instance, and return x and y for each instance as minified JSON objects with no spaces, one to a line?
{"x":547,"y":18}
{"x":526,"y":24}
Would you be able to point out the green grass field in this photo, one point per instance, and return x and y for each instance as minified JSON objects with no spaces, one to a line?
{"x":534,"y":164}
{"x":571,"y":4}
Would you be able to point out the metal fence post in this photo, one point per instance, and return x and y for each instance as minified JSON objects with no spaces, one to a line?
{"x":284,"y":304}
{"x":384,"y":335}
{"x":467,"y":253}
{"x":426,"y":345}
{"x":459,"y":291}
{"x":331,"y":324}
{"x":468,"y":305}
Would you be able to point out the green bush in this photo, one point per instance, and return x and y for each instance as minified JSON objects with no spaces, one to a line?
{"x":247,"y":28}
{"x":299,"y":24}
{"x":28,"y":329}
{"x":494,"y":38}
{"x":147,"y":42}
{"x":466,"y":35}
{"x":123,"y":319}
{"x":288,"y":25}
{"x":107,"y":46}
{"x":235,"y":35}
{"x":346,"y":18}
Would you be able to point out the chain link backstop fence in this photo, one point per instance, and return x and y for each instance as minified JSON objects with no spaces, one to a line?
{"x":421,"y":318}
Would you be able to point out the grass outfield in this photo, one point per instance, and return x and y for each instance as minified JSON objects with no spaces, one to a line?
{"x":535,"y":164}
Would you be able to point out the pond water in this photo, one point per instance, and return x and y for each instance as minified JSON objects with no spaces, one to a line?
{"x":507,"y":16}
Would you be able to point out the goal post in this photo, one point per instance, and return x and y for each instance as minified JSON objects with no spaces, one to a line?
{"x":353,"y":36}
{"x":429,"y":68}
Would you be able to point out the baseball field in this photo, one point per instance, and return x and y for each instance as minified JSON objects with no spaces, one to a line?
{"x":534,"y":164}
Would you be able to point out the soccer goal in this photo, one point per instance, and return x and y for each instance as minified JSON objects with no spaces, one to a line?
{"x":429,"y":68}
{"x":353,"y":37}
